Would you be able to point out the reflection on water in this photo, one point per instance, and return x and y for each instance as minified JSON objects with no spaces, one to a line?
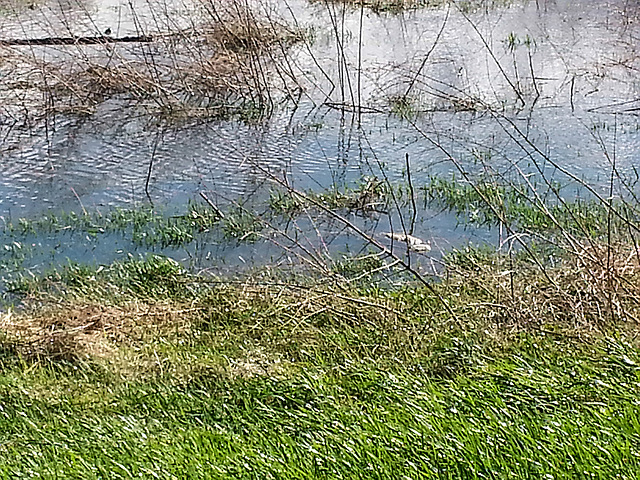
{"x":538,"y":89}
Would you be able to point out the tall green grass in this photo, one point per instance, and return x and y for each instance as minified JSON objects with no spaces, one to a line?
{"x":197,"y":378}
{"x":524,"y":416}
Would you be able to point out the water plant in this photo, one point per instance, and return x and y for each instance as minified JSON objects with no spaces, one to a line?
{"x":489,"y":203}
{"x":404,"y":107}
{"x":366,"y":196}
{"x":241,"y":224}
{"x":144,"y":225}
{"x":224,"y":61}
{"x":391,"y":6}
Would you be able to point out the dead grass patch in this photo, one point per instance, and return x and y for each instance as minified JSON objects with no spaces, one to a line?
{"x":595,"y":289}
{"x":72,"y":332}
{"x":244,"y":330}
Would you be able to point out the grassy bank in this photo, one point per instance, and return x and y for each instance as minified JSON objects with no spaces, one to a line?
{"x":137,"y":369}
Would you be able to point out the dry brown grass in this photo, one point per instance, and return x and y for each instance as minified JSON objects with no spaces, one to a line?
{"x":257,"y":326}
{"x":74,"y":332}
{"x":592,"y":291}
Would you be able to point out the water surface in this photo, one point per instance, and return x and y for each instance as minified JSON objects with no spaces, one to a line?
{"x":532,"y":91}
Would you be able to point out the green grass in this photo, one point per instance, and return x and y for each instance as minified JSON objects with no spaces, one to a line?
{"x":155,"y":227}
{"x":142,"y":225}
{"x":360,"y":423}
{"x":404,"y":107}
{"x":487,"y":203}
{"x":524,"y":416}
{"x":151,"y":277}
{"x":137,"y":369}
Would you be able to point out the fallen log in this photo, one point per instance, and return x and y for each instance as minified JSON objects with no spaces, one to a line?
{"x":75,"y":40}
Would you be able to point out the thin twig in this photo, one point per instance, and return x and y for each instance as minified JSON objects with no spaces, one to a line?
{"x":492,"y":55}
{"x":364,"y":236}
{"x":153,"y":156}
{"x":414,"y":208}
{"x":213,"y":206}
{"x":426,"y":58}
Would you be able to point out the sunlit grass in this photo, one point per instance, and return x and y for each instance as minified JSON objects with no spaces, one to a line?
{"x":526,"y":414}
{"x":139,"y":369}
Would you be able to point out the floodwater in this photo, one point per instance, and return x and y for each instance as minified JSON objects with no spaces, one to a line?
{"x":523,"y":91}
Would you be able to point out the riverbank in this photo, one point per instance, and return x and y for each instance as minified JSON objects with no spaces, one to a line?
{"x":140,"y":369}
{"x":392,"y":239}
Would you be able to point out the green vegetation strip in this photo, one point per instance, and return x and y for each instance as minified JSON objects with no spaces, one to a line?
{"x":149,"y":227}
{"x":547,"y":215}
{"x":137,"y":369}
{"x":524,"y":209}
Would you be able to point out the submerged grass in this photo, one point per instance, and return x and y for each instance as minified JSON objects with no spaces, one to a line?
{"x":151,"y":227}
{"x":140,"y":369}
{"x":553,"y":228}
{"x":144,"y":225}
{"x":489,"y":203}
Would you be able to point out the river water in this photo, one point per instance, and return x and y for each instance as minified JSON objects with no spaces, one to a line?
{"x":539,"y":91}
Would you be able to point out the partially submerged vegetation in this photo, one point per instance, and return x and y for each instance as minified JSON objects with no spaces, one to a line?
{"x":150,"y":226}
{"x":524,"y":208}
{"x":225,"y":63}
{"x":551,"y":224}
{"x":144,"y":225}
{"x":367,"y":196}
